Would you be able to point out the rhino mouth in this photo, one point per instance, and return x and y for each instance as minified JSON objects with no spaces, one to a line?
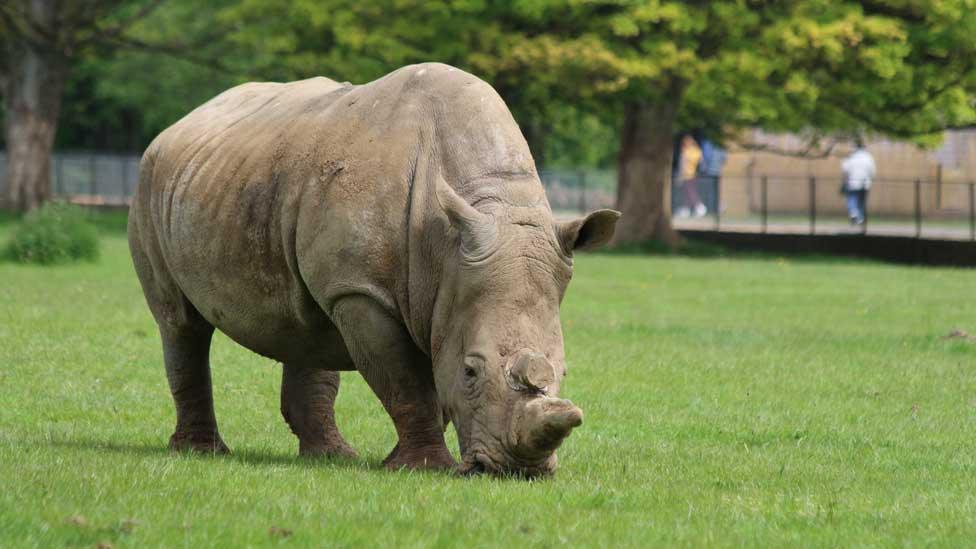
{"x":477,"y":465}
{"x":480,"y":463}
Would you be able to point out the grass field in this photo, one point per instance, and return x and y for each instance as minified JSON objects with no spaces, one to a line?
{"x":729,"y":402}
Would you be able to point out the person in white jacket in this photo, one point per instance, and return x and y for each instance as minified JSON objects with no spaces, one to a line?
{"x":859,"y":170}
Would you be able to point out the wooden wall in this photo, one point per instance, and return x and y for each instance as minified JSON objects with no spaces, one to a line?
{"x":944,"y":174}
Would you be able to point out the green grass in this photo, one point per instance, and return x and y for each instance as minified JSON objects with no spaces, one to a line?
{"x":729,"y":402}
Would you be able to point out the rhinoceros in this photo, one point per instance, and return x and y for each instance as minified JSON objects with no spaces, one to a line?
{"x":397,"y":228}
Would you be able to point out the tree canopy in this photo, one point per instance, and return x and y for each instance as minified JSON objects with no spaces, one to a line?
{"x":590,"y":83}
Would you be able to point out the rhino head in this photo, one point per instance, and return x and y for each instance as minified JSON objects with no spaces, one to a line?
{"x":498,"y":353}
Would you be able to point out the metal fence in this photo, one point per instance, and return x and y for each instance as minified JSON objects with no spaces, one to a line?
{"x":929,"y":208}
{"x":90,"y":178}
{"x":922,"y":208}
{"x":579,"y":190}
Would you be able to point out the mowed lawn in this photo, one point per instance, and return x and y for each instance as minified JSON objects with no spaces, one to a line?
{"x":728,"y":402}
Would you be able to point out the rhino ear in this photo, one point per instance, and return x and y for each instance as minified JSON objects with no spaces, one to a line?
{"x":476,"y":230}
{"x":592,"y":231}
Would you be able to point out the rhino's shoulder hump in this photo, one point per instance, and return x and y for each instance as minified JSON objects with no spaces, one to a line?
{"x":474,"y":127}
{"x":438,"y":81}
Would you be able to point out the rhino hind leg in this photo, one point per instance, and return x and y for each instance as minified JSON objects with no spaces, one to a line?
{"x":308,"y":405}
{"x":186,"y":353}
{"x":186,"y":344}
{"x":402,"y":379}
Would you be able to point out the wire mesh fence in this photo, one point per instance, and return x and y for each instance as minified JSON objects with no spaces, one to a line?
{"x":90,"y":178}
{"x":573,"y":191}
{"x":924,"y":208}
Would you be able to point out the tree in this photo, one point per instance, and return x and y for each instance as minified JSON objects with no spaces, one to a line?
{"x":360,"y":41}
{"x":39,"y":42}
{"x":901,"y":68}
{"x":573,"y":69}
{"x":819,"y":66}
{"x":172,"y":61}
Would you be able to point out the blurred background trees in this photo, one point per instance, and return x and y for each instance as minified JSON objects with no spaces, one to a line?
{"x":592,"y":84}
{"x":40,"y":41}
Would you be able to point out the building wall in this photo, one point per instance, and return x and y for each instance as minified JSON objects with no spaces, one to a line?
{"x":944,"y":174}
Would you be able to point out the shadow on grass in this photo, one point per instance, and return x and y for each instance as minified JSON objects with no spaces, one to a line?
{"x":260,"y":458}
{"x":248,"y":457}
{"x":112,"y":221}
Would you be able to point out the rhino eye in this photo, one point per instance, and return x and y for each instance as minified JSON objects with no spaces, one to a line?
{"x":472,"y":367}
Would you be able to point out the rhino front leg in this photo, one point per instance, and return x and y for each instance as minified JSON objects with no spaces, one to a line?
{"x":402,"y":378}
{"x":308,"y":405}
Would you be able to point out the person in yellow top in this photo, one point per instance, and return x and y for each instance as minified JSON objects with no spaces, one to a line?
{"x":691,"y":155}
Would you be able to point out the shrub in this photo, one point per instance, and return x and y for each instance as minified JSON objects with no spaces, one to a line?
{"x":54,"y":233}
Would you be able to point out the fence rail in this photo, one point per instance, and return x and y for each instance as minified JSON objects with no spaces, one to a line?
{"x":924,"y":208}
{"x":771,"y":203}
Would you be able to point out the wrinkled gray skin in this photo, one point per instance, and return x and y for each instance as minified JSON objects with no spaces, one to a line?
{"x":396,"y":228}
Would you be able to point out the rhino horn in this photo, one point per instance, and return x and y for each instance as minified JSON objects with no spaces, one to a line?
{"x":531,"y":371}
{"x":547,"y":422}
{"x":477,"y":230}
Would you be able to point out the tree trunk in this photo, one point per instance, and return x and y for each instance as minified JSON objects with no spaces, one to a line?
{"x":535,"y":135}
{"x":32,"y":78}
{"x":644,"y":174}
{"x":32,"y":99}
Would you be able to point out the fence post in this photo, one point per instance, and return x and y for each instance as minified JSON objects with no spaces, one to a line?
{"x":763,"y":184}
{"x":582,"y":187}
{"x":972,"y":211}
{"x":813,"y":205}
{"x":93,"y":176}
{"x":718,"y":202}
{"x":864,"y":225}
{"x":918,"y":209}
{"x":938,"y":186}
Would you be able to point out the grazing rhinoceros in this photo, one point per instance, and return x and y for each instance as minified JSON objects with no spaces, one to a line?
{"x":396,"y":228}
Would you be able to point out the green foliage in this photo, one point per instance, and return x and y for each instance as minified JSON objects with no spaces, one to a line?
{"x":54,"y":233}
{"x":729,"y":403}
{"x":566,"y":67}
{"x":903,"y":69}
{"x":122,"y":98}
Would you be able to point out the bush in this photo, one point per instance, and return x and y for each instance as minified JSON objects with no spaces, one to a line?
{"x":54,"y":233}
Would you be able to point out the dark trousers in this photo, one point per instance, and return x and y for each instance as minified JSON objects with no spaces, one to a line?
{"x":706,"y":192}
{"x":708,"y":189}
{"x":857,"y":204}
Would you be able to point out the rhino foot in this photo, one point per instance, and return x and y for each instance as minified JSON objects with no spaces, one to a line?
{"x":428,"y":457}
{"x":339,"y":449}
{"x":203,"y":443}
